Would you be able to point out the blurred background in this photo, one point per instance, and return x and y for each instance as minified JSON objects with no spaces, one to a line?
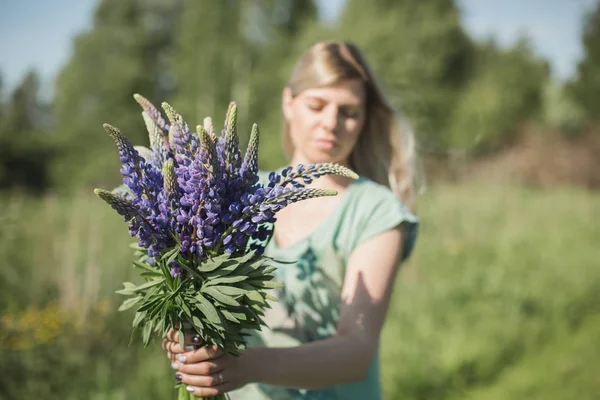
{"x":501,"y":299}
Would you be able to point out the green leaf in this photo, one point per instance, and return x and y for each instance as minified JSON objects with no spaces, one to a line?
{"x":269,"y":297}
{"x":248,"y":256}
{"x":239,"y":316}
{"x":207,"y":308}
{"x":223,"y":298}
{"x":150,"y":303}
{"x":197,"y":323}
{"x":226,"y":270}
{"x":208,"y":266}
{"x":146,"y":333}
{"x":256,"y":296}
{"x":181,"y":335}
{"x":128,"y":290}
{"x":218,"y":262}
{"x":230,"y":316}
{"x":170,"y":255}
{"x":182,"y":260}
{"x":272,"y":285}
{"x":146,"y":267}
{"x":226,"y":279}
{"x":158,"y":306}
{"x":139,"y":317}
{"x":230,"y":290}
{"x":149,"y":284}
{"x":127,"y":304}
{"x":186,"y":309}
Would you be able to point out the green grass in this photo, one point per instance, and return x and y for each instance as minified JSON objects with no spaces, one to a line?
{"x":499,"y":301}
{"x":565,"y":368}
{"x":498,"y":272}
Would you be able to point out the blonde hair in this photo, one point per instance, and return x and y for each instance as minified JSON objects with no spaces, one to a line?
{"x":385,"y":150}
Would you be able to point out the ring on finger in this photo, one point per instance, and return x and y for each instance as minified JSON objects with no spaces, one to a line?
{"x":219,"y":378}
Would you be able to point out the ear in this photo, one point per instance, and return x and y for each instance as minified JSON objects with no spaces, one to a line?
{"x":286,"y":103}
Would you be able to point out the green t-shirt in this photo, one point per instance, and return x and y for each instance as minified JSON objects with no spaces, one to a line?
{"x":308,"y":307}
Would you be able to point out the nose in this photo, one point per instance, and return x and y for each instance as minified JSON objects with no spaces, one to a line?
{"x":330,"y":118}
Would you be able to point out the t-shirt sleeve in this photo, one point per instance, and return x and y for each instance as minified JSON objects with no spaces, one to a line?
{"x":383,"y":211}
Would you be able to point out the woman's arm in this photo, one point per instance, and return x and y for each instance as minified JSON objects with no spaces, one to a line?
{"x":346,"y":357}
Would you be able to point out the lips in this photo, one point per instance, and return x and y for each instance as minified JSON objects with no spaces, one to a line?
{"x":325,"y":143}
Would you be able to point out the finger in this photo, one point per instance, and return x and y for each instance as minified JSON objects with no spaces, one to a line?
{"x":210,"y":391}
{"x":198,"y":380}
{"x":201,"y":354}
{"x":173,"y":335}
{"x":202,"y":368}
{"x":174,"y":347}
{"x":168,"y":347}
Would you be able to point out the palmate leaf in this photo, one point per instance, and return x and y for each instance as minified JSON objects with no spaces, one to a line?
{"x":226,"y":279}
{"x":149,"y":284}
{"x":146,"y":333}
{"x":229,"y":296}
{"x":230,"y":317}
{"x":221,"y":297}
{"x":271,"y":284}
{"x":127,"y":304}
{"x":147,"y":270}
{"x":229,"y":290}
{"x":128,"y":290}
{"x":208,"y":309}
{"x":139,"y":317}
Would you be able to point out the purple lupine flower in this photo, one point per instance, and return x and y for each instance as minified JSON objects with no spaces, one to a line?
{"x":123,"y":206}
{"x":153,"y":113}
{"x":132,"y":161}
{"x":199,"y":192}
{"x":231,"y":151}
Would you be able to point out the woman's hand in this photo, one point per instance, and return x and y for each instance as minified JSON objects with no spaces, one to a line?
{"x":206,"y":370}
{"x":171,"y":344}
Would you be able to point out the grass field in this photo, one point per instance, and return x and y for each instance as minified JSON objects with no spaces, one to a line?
{"x":501,"y":300}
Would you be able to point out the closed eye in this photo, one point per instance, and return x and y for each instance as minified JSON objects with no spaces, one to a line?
{"x":351,"y":113}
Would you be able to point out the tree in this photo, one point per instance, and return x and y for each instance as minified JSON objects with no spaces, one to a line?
{"x":232,"y":50}
{"x":126,"y":51}
{"x":586,"y":86}
{"x":25,"y":153}
{"x":421,"y":54}
{"x":506,"y":89}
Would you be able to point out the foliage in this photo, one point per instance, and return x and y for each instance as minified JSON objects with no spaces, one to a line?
{"x":125,"y":52}
{"x":202,"y":218}
{"x":468,"y":316}
{"x":586,"y":85}
{"x":560,"y":112}
{"x":26,"y":150}
{"x":506,"y":90}
{"x":418,"y":50}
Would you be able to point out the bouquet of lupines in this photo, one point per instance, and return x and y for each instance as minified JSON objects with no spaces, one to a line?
{"x":202,"y":219}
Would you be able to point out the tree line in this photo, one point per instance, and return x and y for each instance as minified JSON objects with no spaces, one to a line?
{"x":458,"y":93}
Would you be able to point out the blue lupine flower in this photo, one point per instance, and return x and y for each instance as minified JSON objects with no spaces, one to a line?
{"x":199,"y":193}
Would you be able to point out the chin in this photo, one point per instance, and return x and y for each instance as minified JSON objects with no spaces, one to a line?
{"x":324,"y":157}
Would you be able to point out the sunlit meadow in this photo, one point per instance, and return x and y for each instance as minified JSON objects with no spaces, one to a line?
{"x":500,"y":300}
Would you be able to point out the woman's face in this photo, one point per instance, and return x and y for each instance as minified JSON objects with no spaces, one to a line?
{"x":325,"y":122}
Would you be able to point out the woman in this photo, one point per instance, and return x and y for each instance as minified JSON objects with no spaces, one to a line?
{"x":323,"y":336}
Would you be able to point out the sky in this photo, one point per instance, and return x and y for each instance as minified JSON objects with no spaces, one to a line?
{"x":37,"y":34}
